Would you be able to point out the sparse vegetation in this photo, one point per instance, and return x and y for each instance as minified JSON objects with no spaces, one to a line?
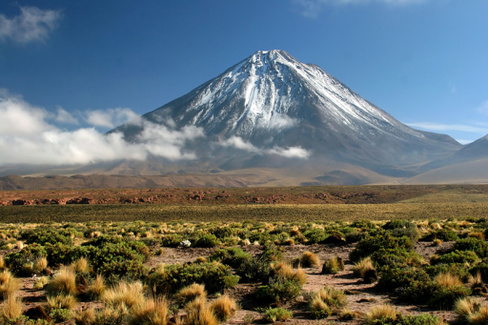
{"x":114,"y":267}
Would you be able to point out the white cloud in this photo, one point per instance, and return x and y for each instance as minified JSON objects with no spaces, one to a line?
{"x":291,"y":152}
{"x":312,"y":8}
{"x":32,"y":25}
{"x":27,"y":136}
{"x":111,"y":117}
{"x":65,"y":117}
{"x":239,"y":143}
{"x":161,"y":141}
{"x":21,"y":118}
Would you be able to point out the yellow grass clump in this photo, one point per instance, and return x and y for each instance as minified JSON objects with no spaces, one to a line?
{"x":63,"y":282}
{"x":385,"y":311}
{"x":9,"y":284}
{"x":190,"y":293}
{"x":61,"y":301}
{"x":224,"y":307}
{"x":127,"y":294}
{"x":198,"y":312}
{"x":81,"y":266}
{"x":309,"y":259}
{"x":40,"y":265}
{"x":97,"y":287}
{"x":11,"y":309}
{"x":447,"y":280}
{"x":150,"y":312}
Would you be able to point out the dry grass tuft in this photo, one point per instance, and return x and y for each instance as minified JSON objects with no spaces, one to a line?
{"x":63,"y":282}
{"x":86,"y":317}
{"x":464,"y":307}
{"x":190,"y":293}
{"x":361,"y":267}
{"x":40,"y":265}
{"x":224,"y":307}
{"x":41,"y":282}
{"x":199,"y":313}
{"x":447,"y":280}
{"x":470,"y":311}
{"x":81,"y":266}
{"x":480,"y":317}
{"x":3,"y":266}
{"x":300,"y":276}
{"x":309,"y":259}
{"x":9,"y":285}
{"x":333,"y":265}
{"x":61,"y":301}
{"x":284,"y":270}
{"x":332,"y":296}
{"x":12,"y":308}
{"x":381,"y":312}
{"x":150,"y":312}
{"x":97,"y":287}
{"x":126,"y":294}
{"x":319,"y":308}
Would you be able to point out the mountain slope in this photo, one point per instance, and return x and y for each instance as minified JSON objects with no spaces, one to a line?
{"x":271,"y":108}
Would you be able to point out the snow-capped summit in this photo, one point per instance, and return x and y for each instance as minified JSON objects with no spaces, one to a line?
{"x":271,"y":100}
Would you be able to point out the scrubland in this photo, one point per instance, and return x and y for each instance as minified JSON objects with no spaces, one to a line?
{"x":419,"y":257}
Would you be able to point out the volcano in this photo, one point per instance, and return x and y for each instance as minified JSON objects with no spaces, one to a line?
{"x":272,"y":111}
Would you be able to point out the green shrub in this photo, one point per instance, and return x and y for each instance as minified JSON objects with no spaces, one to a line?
{"x":315,"y":236}
{"x":279,"y":290}
{"x":445,"y":297}
{"x":370,"y":245}
{"x":118,"y":258}
{"x":395,"y":257}
{"x":215,"y":276}
{"x":65,"y":254}
{"x":22,"y":263}
{"x":442,"y":234}
{"x":59,"y":315}
{"x":257,"y":269}
{"x":400,"y":228}
{"x":171,"y":240}
{"x":399,"y":279}
{"x":207,"y":240}
{"x":42,"y":236}
{"x":233,"y":256}
{"x":480,"y":247}
{"x":222,"y":232}
{"x":456,"y":257}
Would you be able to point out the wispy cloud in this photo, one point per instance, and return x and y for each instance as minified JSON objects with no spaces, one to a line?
{"x":432,"y":126}
{"x":31,"y":25}
{"x":290,"y":152}
{"x":65,"y":117}
{"x":483,"y":108}
{"x":312,"y":8}
{"x":111,"y":117}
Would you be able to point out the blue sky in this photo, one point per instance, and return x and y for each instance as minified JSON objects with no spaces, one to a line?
{"x":74,"y":66}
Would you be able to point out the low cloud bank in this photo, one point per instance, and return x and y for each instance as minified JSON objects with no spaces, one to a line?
{"x":31,"y":135}
{"x":28,"y":135}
